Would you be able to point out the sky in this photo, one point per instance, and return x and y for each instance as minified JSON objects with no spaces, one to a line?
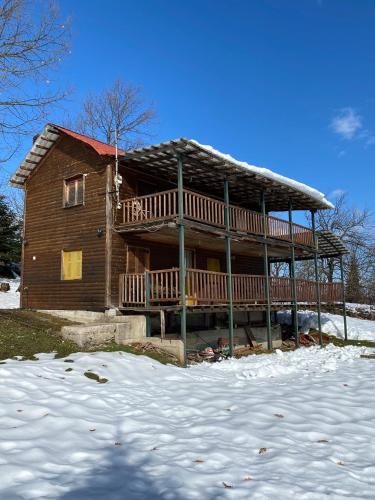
{"x":284,"y":84}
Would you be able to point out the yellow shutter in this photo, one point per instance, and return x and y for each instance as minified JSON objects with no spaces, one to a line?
{"x":213,"y":264}
{"x":72,"y":265}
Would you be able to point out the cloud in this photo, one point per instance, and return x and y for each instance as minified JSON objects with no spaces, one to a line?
{"x":347,"y":123}
{"x":336,"y":193}
{"x":367,"y":136}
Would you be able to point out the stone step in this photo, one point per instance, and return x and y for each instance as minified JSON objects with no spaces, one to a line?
{"x":93,"y":334}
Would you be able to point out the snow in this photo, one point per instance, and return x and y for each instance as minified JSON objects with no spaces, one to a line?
{"x":360,"y":308}
{"x":269,"y":174}
{"x":332,"y":324}
{"x":11,"y":299}
{"x":296,"y":424}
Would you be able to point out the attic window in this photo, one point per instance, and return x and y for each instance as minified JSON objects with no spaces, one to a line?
{"x":74,"y":191}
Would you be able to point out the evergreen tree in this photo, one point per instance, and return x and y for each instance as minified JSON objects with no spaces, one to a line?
{"x":353,"y":285}
{"x":10,"y":233}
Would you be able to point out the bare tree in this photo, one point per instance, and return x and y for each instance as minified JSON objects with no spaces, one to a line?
{"x":280,"y":269}
{"x":32,"y":42}
{"x":120,"y":107}
{"x":355,"y":227}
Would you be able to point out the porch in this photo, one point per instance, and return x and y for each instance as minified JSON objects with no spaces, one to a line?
{"x":141,"y":213}
{"x":204,"y":288}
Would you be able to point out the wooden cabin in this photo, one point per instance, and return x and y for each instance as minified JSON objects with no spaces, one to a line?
{"x":176,"y":229}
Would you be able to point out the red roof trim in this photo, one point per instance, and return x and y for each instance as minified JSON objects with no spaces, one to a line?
{"x":100,"y":147}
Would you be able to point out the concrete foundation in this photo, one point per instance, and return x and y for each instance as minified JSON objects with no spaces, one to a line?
{"x":173,"y":346}
{"x":132,"y":327}
{"x":211,"y":336}
{"x":100,"y":328}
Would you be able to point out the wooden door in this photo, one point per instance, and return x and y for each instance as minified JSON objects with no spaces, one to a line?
{"x":137,"y":260}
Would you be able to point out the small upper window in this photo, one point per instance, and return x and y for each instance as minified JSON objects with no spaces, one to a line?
{"x":73,"y":191}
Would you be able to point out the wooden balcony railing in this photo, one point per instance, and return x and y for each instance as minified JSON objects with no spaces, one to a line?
{"x":209,"y":287}
{"x":164,"y":205}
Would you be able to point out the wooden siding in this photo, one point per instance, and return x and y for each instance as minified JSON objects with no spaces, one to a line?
{"x":50,"y":228}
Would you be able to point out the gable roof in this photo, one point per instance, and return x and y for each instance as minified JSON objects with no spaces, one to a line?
{"x":45,"y":141}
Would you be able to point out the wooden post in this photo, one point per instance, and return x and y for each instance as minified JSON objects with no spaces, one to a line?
{"x":293,"y":273}
{"x":317,"y":277}
{"x":147,"y":303}
{"x":266,"y":274}
{"x":228,"y":255}
{"x":162,"y":323}
{"x":23,"y":295}
{"x":343,"y":298}
{"x":181,"y":246}
{"x":108,"y":237}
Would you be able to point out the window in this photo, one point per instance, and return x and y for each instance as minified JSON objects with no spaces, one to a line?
{"x":74,"y":191}
{"x":213,"y":264}
{"x":71,"y":268}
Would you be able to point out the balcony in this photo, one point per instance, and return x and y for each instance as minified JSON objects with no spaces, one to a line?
{"x":153,"y":208}
{"x":205,"y":288}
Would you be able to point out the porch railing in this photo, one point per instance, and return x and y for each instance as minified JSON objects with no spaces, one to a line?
{"x":163,"y":205}
{"x":209,"y":287}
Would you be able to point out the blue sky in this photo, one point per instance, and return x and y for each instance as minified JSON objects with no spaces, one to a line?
{"x":285,"y":84}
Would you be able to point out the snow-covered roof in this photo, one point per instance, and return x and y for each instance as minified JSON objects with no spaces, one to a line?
{"x":269,"y":174}
{"x":206,"y":166}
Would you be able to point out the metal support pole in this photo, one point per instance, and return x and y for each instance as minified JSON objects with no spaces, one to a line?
{"x":266,"y":275}
{"x":317,"y":278}
{"x":181,"y":246}
{"x":293,"y":312}
{"x":148,"y":296}
{"x":343,"y":298}
{"x":293,"y":274}
{"x":229,"y":265}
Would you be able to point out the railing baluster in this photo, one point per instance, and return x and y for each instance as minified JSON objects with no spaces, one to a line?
{"x":205,"y":209}
{"x":210,"y":287}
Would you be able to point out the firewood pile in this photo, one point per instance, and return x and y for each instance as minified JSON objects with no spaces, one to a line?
{"x":306,"y":340}
{"x":4,"y":287}
{"x":221,"y":352}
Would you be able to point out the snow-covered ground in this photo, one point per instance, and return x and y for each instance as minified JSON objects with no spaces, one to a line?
{"x":361,"y":308}
{"x":11,"y":299}
{"x":284,"y":425}
{"x":332,"y":324}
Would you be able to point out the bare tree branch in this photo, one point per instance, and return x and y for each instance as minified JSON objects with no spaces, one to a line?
{"x":356,"y":229}
{"x":120,"y":107}
{"x":33,"y":41}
